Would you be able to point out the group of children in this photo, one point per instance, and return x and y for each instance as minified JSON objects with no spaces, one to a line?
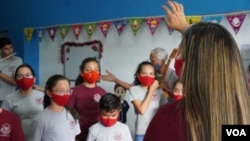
{"x":80,"y":113}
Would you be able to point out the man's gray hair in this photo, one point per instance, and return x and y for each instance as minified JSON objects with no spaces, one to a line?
{"x":161,"y":53}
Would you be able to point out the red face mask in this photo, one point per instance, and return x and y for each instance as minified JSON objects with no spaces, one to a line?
{"x":61,"y":100}
{"x":146,"y":80}
{"x":91,"y":77}
{"x":178,"y":67}
{"x":177,"y":97}
{"x":108,"y":121}
{"x":25,"y":83}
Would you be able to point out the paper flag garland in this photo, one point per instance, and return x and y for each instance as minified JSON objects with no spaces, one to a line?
{"x":52,"y":32}
{"x":64,"y":30}
{"x":76,"y":30}
{"x":120,"y":25}
{"x":214,"y":19}
{"x":28,"y":33}
{"x":135,"y":24}
{"x":40,"y":33}
{"x":90,"y":28}
{"x":104,"y":27}
{"x":153,"y":23}
{"x":236,"y":21}
{"x":193,"y":19}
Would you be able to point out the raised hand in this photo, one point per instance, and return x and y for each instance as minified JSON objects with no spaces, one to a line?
{"x":175,"y":17}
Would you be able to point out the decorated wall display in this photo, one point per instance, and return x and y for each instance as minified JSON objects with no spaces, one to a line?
{"x":235,"y":20}
{"x":72,"y":55}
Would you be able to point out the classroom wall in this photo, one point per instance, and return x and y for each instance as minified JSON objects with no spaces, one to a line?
{"x":16,"y":15}
{"x":122,"y":54}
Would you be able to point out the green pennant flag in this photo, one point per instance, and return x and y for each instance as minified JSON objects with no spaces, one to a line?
{"x":90,"y":28}
{"x":64,"y":30}
{"x":135,"y":24}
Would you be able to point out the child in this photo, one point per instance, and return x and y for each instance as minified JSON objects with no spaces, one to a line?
{"x":178,"y":90}
{"x":108,"y":128}
{"x":86,"y":95}
{"x":56,"y":122}
{"x":145,"y":97}
{"x":26,"y":102}
{"x":121,"y":92}
{"x":10,"y":127}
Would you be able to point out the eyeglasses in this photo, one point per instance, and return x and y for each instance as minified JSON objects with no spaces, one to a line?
{"x":27,"y":75}
{"x":62,"y":92}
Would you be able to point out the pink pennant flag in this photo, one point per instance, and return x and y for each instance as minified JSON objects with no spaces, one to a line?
{"x":52,"y":32}
{"x":76,"y":30}
{"x":236,"y":21}
{"x":104,"y":26}
{"x":153,"y":24}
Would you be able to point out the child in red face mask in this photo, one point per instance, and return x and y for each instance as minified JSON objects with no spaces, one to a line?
{"x":57,"y":122}
{"x":109,"y":128}
{"x":145,"y":96}
{"x":86,"y":95}
{"x":178,"y":91}
{"x":26,"y":102}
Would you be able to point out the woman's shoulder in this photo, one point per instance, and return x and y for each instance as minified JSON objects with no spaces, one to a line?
{"x":171,"y":109}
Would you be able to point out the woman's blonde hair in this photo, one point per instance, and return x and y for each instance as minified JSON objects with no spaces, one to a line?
{"x":214,"y":83}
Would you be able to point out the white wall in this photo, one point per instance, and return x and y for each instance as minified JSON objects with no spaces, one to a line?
{"x":121,"y":55}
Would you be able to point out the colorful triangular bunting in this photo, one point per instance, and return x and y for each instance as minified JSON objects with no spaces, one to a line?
{"x":214,"y":19}
{"x":90,"y":28}
{"x":40,"y":33}
{"x":135,"y":24}
{"x":52,"y":32}
{"x":236,"y":21}
{"x":193,"y":19}
{"x":28,"y":33}
{"x":64,"y":30}
{"x":153,"y":23}
{"x":119,"y":25}
{"x":104,"y":26}
{"x":76,"y":30}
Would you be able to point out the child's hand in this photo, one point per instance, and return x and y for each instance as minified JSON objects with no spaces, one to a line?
{"x":154,"y":86}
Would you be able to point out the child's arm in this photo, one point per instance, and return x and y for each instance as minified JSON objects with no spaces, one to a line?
{"x":142,"y":106}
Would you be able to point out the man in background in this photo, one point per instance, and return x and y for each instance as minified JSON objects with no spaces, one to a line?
{"x":8,"y":65}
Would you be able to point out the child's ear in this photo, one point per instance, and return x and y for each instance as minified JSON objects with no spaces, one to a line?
{"x":48,"y":93}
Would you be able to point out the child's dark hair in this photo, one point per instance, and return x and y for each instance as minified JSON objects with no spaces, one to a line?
{"x":109,"y":102}
{"x":79,"y":79}
{"x":4,"y":41}
{"x":139,"y":69}
{"x":27,"y":66}
{"x":118,"y":85}
{"x":50,"y":84}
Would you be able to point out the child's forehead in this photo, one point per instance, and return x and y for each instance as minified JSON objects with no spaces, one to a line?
{"x":104,"y":111}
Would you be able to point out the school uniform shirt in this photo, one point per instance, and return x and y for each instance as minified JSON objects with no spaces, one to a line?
{"x":142,"y":121}
{"x":54,"y":126}
{"x":26,"y":107}
{"x":10,"y":127}
{"x":86,"y":102}
{"x":168,"y":124}
{"x":8,"y":67}
{"x":118,"y":132}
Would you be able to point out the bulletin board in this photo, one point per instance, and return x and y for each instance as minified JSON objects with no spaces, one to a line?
{"x":74,"y":53}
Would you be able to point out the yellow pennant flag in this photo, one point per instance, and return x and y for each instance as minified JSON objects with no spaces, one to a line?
{"x":193,"y":19}
{"x":28,"y":33}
